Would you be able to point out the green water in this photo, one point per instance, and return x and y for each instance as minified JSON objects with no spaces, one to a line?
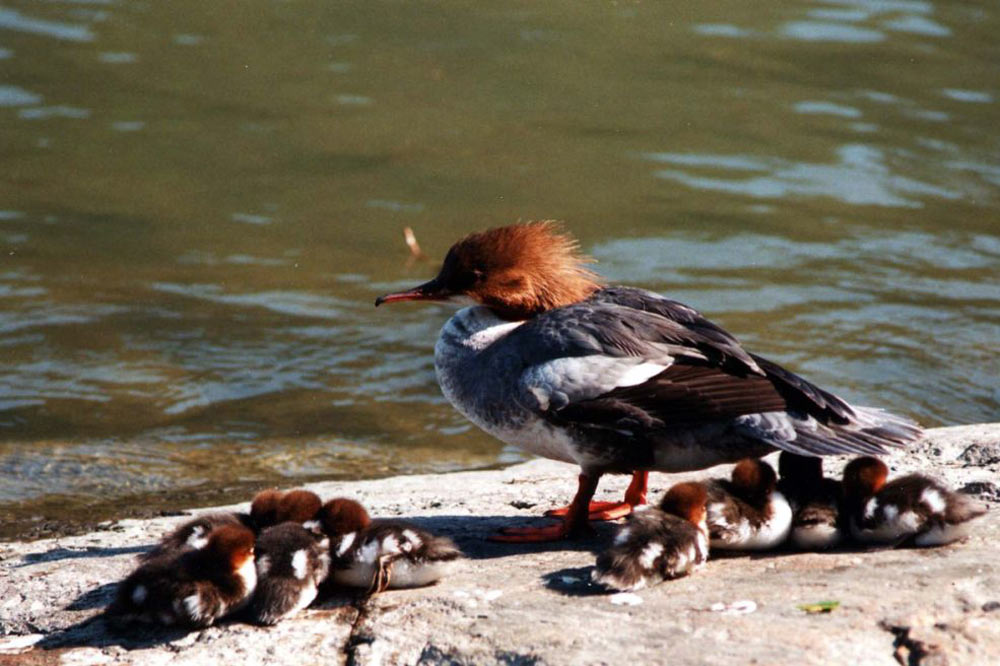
{"x":200,"y":200}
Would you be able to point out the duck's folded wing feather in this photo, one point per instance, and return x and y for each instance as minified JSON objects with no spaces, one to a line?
{"x":635,"y":360}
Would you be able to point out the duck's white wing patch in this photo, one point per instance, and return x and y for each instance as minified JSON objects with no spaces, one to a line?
{"x":300,"y":563}
{"x":556,"y":383}
{"x":191,"y":606}
{"x":412,"y":540}
{"x":649,"y":555}
{"x":933,"y":500}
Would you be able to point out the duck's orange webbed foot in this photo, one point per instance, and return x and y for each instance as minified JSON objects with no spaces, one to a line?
{"x":574,"y":522}
{"x":635,"y":496}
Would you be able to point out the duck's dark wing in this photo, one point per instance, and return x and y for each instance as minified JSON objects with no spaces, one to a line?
{"x":636,"y":363}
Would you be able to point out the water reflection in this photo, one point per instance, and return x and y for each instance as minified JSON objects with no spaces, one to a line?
{"x":11,"y":19}
{"x":860,"y":177}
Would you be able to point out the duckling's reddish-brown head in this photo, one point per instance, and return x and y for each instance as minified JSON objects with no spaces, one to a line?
{"x":298,"y":506}
{"x":518,"y":271}
{"x":754,"y":479}
{"x":687,"y":501}
{"x":863,"y":477}
{"x":264,"y":508}
{"x":341,"y":516}
{"x":232,"y":545}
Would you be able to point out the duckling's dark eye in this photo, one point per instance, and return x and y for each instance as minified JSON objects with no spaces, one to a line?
{"x":479,"y":274}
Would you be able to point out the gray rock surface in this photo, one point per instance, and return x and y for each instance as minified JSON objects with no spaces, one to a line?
{"x":517,"y":604}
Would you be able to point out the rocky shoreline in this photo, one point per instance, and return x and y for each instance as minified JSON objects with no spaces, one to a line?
{"x":517,"y":604}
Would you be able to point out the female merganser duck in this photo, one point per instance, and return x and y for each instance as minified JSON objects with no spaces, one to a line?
{"x":616,"y":379}
{"x":658,"y":544}
{"x":191,"y":587}
{"x":912,"y":509}
{"x":815,"y":502}
{"x":273,"y":507}
{"x":291,"y":561}
{"x":747,"y":512}
{"x":382,"y":554}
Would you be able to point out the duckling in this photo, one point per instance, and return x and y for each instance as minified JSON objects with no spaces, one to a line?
{"x":382,"y":554}
{"x":273,"y":507}
{"x":191,"y":587}
{"x":194,"y":533}
{"x":747,"y":512}
{"x":292,"y":561}
{"x":655,"y":545}
{"x":911,"y":510}
{"x":815,"y":502}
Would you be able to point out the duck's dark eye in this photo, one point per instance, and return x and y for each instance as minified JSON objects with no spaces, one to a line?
{"x":478,"y":274}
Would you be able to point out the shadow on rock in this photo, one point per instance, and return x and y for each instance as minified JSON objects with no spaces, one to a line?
{"x":97,"y":632}
{"x":574,"y":582}
{"x":69,"y":554}
{"x":470,"y":534}
{"x":98,"y":597}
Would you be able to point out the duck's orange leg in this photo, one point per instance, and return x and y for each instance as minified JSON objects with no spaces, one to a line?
{"x":574,"y":523}
{"x":635,"y":495}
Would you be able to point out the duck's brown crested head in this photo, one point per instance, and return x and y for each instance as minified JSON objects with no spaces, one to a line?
{"x":519,"y":271}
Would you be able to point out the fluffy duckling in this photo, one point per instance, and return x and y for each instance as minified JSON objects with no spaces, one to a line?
{"x":913,"y":509}
{"x":747,"y":512}
{"x":382,"y":554}
{"x":194,"y":533}
{"x":292,"y":561}
{"x":273,"y":507}
{"x":815,"y":501}
{"x":191,"y":587}
{"x":655,"y":545}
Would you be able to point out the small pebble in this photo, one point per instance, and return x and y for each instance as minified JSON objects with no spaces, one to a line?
{"x":625,"y":599}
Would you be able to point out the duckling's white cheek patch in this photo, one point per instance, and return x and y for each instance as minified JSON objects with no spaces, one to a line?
{"x":870,"y":508}
{"x":198,"y":538}
{"x":346,"y":542}
{"x":299,"y":562}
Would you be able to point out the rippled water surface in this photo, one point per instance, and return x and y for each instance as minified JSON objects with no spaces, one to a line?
{"x":199,"y":202}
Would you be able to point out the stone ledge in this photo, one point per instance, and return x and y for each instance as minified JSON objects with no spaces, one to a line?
{"x":534,"y":605}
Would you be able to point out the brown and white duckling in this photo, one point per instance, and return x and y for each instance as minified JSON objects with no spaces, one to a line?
{"x":191,"y":587}
{"x":747,"y":512}
{"x":194,"y":533}
{"x":382,"y":554}
{"x":815,"y":501}
{"x":913,"y":509}
{"x":655,"y":545}
{"x":273,"y":507}
{"x":291,"y":561}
